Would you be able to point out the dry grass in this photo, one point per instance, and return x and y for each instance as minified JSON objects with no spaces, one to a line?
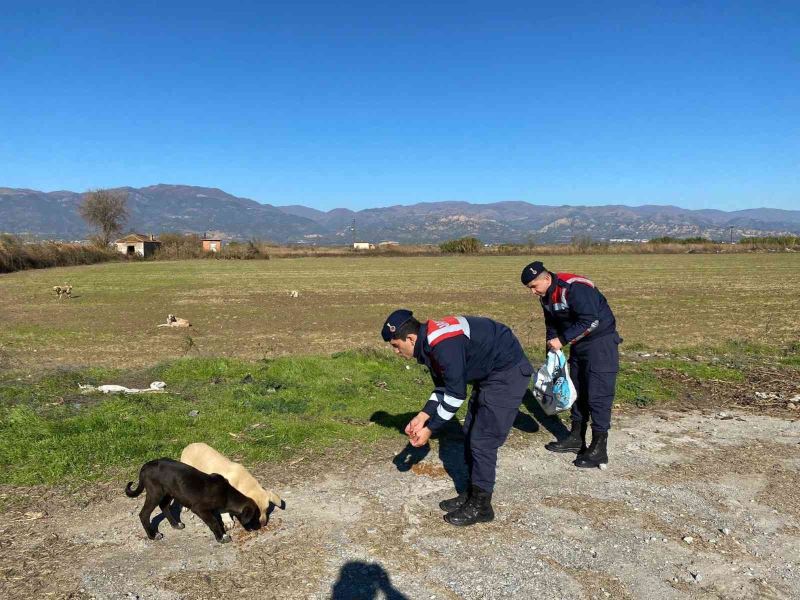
{"x":16,"y":255}
{"x":243,"y":308}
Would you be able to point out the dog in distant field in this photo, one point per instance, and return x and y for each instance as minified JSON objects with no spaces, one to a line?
{"x":203,"y":457}
{"x":205,"y":495}
{"x":63,"y":290}
{"x":173,"y":321}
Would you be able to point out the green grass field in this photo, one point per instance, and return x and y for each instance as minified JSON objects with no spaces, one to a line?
{"x":243,"y":309}
{"x":271,"y":375}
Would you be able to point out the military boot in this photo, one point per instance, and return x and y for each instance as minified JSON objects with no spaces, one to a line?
{"x":596,"y":455}
{"x":575,"y":442}
{"x":477,"y":509}
{"x":455,"y":503}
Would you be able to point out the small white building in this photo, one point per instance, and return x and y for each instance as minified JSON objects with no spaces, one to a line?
{"x":136,"y":244}
{"x":363,"y":246}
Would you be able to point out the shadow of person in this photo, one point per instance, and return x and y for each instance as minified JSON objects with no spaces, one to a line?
{"x":552,"y":423}
{"x":451,"y":453}
{"x":408,"y":456}
{"x":525,"y":423}
{"x":364,"y":581}
{"x":398,"y":422}
{"x":175,"y":508}
{"x":451,"y":447}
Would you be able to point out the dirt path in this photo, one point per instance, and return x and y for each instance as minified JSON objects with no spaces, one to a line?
{"x":364,"y":528}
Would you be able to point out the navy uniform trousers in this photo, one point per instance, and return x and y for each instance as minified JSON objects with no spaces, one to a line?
{"x":593,"y":368}
{"x":493,"y":406}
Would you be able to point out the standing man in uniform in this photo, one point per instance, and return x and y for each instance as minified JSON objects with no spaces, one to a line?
{"x":576,"y":314}
{"x":460,"y":350}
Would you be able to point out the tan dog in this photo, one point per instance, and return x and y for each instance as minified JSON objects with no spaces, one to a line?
{"x":204,"y":458}
{"x":63,"y":290}
{"x":173,"y":321}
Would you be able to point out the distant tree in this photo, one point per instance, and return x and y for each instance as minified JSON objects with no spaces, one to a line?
{"x":582,"y":242}
{"x":465,"y":245}
{"x":106,"y":211}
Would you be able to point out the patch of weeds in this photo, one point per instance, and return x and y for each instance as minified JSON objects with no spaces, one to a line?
{"x":634,"y":347}
{"x":791,"y":361}
{"x":365,"y":352}
{"x":345,"y":389}
{"x":643,"y":401}
{"x":791,"y":355}
{"x":280,"y":405}
{"x":732,"y":350}
{"x":640,"y":385}
{"x":196,"y":371}
{"x":701,"y":370}
{"x":51,"y":388}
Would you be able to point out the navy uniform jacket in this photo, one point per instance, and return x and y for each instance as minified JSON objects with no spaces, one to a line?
{"x":575,"y":310}
{"x":460,"y":350}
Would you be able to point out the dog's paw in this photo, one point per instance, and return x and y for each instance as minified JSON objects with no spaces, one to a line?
{"x":224,"y":539}
{"x":178,"y":526}
{"x":158,"y":536}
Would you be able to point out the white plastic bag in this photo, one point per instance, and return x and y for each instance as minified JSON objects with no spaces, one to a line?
{"x":552,"y":385}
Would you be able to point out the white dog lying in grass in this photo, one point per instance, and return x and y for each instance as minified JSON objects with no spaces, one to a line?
{"x":204,"y":458}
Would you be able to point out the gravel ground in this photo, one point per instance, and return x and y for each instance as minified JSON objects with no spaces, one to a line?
{"x":696,"y":504}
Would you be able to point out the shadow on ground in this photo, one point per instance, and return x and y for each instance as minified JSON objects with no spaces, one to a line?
{"x":451,"y":447}
{"x":364,"y":581}
{"x":551,"y":423}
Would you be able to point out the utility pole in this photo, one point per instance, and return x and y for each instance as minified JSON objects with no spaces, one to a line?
{"x":353,"y":228}
{"x":731,"y":234}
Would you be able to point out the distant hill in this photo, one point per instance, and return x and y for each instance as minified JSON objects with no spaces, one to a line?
{"x":183,"y":208}
{"x":153,"y":209}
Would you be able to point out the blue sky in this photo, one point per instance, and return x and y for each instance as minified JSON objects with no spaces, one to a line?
{"x":375,"y":103}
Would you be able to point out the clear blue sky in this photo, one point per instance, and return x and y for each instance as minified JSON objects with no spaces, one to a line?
{"x":366,"y":104}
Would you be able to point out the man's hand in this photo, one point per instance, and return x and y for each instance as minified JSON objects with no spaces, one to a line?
{"x":554,"y":344}
{"x":416,"y":424}
{"x":421,"y":437}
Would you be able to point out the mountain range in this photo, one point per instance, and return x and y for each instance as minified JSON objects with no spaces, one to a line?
{"x":182,"y":208}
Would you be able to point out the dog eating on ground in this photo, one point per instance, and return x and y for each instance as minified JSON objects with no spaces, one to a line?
{"x":203,"y":457}
{"x":205,"y":495}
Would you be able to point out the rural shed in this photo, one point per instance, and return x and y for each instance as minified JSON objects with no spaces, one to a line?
{"x":136,"y":244}
{"x":211,"y":244}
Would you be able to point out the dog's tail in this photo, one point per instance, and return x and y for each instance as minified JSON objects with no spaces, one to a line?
{"x":132,"y":493}
{"x":276,"y":500}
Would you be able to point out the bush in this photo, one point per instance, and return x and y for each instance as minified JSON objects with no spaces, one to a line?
{"x":582,"y":242}
{"x":16,"y":255}
{"x":244,"y":251}
{"x":672,"y":240}
{"x":465,"y":245}
{"x":775,"y":241}
{"x":178,"y":246}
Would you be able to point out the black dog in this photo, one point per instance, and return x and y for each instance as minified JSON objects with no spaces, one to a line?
{"x":205,"y":495}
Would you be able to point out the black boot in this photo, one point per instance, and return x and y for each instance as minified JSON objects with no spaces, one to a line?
{"x":596,"y":455}
{"x":455,"y":503}
{"x":575,"y":442}
{"x":477,"y":509}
